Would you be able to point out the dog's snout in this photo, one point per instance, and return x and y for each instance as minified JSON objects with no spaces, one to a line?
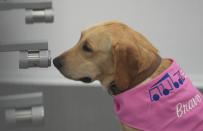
{"x":57,"y":63}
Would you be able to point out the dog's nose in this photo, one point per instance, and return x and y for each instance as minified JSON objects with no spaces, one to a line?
{"x":57,"y":63}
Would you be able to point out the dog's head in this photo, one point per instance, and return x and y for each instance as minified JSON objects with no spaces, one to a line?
{"x":109,"y":51}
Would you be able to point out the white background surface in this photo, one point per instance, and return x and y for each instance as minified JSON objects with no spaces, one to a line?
{"x":173,"y":26}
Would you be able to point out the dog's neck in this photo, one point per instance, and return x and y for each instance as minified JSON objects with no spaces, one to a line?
{"x":139,"y":78}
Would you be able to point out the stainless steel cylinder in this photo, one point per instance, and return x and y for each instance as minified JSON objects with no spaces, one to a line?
{"x":40,"y":58}
{"x":39,"y":16}
{"x":24,"y":116}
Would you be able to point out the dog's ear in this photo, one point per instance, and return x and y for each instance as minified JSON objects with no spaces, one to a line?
{"x":126,"y":64}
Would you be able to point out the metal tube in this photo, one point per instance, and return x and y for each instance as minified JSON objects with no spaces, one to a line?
{"x":40,"y":58}
{"x":25,"y":116}
{"x":38,"y":16}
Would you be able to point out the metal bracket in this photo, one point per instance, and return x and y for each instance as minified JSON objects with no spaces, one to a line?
{"x":25,"y":4}
{"x":36,"y":10}
{"x":32,"y":53}
{"x":23,"y":46}
{"x":23,"y":109}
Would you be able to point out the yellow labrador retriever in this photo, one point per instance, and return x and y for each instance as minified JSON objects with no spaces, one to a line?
{"x":114,"y":54}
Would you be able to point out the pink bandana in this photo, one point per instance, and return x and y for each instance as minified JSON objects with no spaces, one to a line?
{"x":169,"y":102}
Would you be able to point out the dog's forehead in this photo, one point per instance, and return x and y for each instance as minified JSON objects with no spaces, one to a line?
{"x":94,"y":30}
{"x":104,"y":26}
{"x":96,"y":34}
{"x":103,"y":34}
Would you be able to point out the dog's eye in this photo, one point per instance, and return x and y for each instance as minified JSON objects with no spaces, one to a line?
{"x":86,"y":48}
